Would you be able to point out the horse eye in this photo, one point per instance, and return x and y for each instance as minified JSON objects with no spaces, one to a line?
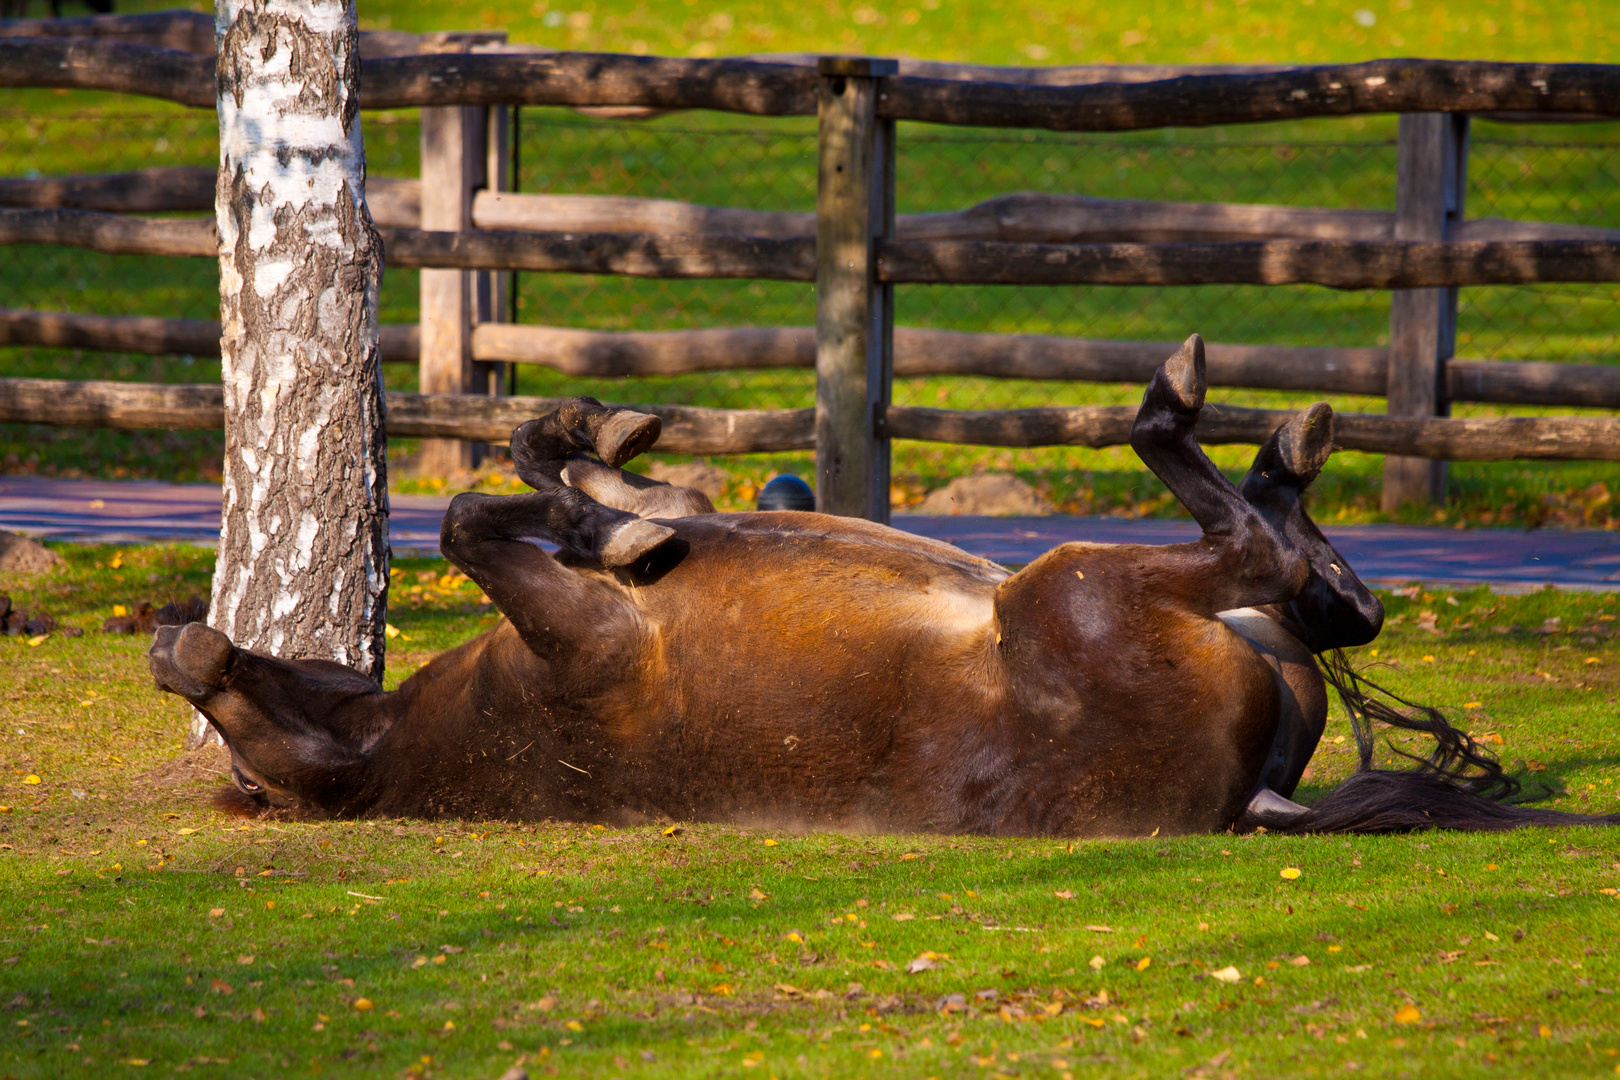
{"x":250,"y":785}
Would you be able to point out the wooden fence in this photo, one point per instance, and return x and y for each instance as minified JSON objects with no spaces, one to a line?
{"x":461,"y":230}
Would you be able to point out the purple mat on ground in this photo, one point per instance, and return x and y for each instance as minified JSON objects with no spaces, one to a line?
{"x":94,"y":511}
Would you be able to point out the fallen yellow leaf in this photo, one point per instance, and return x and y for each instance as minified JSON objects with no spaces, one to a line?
{"x":1097,"y":963}
{"x":755,"y":894}
{"x":574,"y":1025}
{"x":1407,"y":1014}
{"x":185,"y":832}
{"x":1142,"y":964}
{"x":120,"y":609}
{"x":35,"y":642}
{"x":390,"y":630}
{"x":363,"y":1004}
{"x":770,"y":843}
{"x":1227,"y":975}
{"x":1289,"y":873}
{"x":31,"y":779}
{"x":1472,"y":704}
{"x":673,"y":830}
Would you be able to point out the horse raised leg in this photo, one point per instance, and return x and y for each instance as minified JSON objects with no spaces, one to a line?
{"x":587,"y":530}
{"x":1256,"y":565}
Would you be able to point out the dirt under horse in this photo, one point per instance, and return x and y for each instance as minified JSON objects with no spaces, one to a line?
{"x":794,"y":668}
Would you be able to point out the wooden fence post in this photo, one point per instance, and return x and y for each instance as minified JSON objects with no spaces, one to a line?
{"x":458,"y":158}
{"x":1431,"y":179}
{"x":854,"y":311}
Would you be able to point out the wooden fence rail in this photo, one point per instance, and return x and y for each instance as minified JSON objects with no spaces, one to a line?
{"x":1339,"y":264}
{"x":1020,"y":238}
{"x":918,"y":353}
{"x":690,"y":430}
{"x":1023,"y":217}
{"x":778,"y":88}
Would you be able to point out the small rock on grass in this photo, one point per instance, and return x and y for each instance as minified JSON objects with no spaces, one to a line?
{"x":989,"y":495}
{"x":14,"y":622}
{"x":20,"y":555}
{"x":145,"y":618}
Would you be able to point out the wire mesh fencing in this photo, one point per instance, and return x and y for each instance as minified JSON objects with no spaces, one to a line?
{"x":1559,"y":173}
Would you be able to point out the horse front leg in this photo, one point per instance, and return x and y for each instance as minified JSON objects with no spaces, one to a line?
{"x":563,"y":615}
{"x":1252,"y":561}
{"x":567,"y":516}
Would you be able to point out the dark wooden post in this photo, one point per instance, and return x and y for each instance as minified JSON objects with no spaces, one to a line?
{"x":1431,"y":179}
{"x":854,"y":311}
{"x":457,"y":156}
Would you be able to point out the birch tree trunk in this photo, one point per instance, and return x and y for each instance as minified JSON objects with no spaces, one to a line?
{"x":303,"y":552}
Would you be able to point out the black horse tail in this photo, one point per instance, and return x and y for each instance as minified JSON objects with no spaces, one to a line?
{"x":1460,"y":785}
{"x":1382,"y":800}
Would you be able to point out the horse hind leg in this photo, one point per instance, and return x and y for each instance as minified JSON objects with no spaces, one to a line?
{"x":588,"y":530}
{"x":1333,"y":609}
{"x":541,"y":447}
{"x":639,"y":495}
{"x":1254,"y":563}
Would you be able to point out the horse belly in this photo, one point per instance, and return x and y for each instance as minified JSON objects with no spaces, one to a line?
{"x":796,"y":697}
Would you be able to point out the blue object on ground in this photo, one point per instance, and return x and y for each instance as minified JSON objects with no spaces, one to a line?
{"x":787,"y":492}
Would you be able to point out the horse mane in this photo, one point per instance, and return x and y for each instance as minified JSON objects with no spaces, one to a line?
{"x":1456,"y":756}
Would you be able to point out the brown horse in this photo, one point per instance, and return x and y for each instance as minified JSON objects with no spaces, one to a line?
{"x":830,"y":673}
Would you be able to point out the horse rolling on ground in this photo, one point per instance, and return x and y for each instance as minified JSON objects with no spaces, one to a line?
{"x":794,"y":668}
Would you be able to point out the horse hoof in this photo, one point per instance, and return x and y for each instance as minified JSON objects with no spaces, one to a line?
{"x":1306,"y":442}
{"x":1184,"y":376}
{"x":630,"y":541}
{"x":625,"y":435}
{"x":190,"y":660}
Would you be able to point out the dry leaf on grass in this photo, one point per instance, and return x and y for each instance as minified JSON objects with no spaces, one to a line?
{"x":1227,"y":975}
{"x":928,"y":961}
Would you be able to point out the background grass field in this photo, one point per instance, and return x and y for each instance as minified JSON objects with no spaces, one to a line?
{"x":1547,"y":172}
{"x":140,"y":931}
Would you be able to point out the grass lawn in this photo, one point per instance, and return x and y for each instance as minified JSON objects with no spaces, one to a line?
{"x":141,"y":931}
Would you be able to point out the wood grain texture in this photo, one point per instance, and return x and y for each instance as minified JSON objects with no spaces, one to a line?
{"x":918,"y":353}
{"x":590,"y":79}
{"x":630,"y":255}
{"x":1027,"y":216}
{"x":86,"y":64}
{"x":778,"y":88}
{"x":151,"y":336}
{"x":1386,"y":264}
{"x":690,"y":430}
{"x":113,"y":234}
{"x":178,"y":188}
{"x":1375,"y":86}
{"x":188,"y":31}
{"x":1471,"y":439}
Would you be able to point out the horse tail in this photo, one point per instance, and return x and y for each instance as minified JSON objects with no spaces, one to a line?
{"x":1383,"y":800}
{"x":1460,"y":785}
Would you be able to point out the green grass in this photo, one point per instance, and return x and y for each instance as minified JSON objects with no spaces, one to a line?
{"x":138,"y":925}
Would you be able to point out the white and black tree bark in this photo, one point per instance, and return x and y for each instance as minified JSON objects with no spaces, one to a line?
{"x":303,"y":553}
